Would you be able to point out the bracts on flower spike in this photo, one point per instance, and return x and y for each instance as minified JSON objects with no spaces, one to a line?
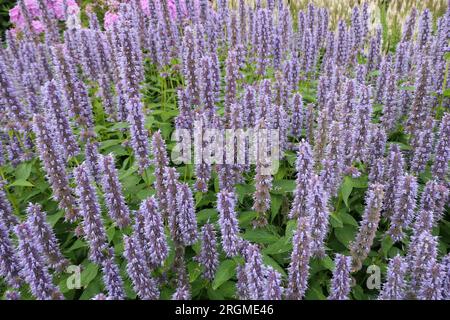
{"x":34,"y":270}
{"x":341,"y":281}
{"x":298,"y":272}
{"x":208,"y":256}
{"x":54,"y":167}
{"x":395,"y":286}
{"x":46,"y":237}
{"x":9,"y":262}
{"x":114,"y":199}
{"x":229,"y":228}
{"x":360,"y":247}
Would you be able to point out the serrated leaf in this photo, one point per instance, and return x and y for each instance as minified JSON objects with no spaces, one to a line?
{"x":21,"y":183}
{"x":260,"y":236}
{"x":88,"y":274}
{"x":345,"y":235}
{"x":225,"y":271}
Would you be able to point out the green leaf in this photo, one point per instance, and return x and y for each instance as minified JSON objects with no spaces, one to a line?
{"x":346,"y":190}
{"x":348,"y":219}
{"x":336,"y":221}
{"x":278,"y":247}
{"x":260,"y":236}
{"x":194,"y":270}
{"x":23,"y":171}
{"x":21,"y":183}
{"x":275,"y":204}
{"x":282,"y":186}
{"x":446,"y":92}
{"x":225,"y":271}
{"x":77,"y":244}
{"x":88,"y":274}
{"x":345,"y":234}
{"x":386,"y":245}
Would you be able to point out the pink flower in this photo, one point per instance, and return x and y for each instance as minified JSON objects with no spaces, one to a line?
{"x":110,"y":19}
{"x":38,"y":27}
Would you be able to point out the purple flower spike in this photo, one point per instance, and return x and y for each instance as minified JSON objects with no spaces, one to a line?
{"x":395,"y":286}
{"x":9,"y":262}
{"x":254,"y":270}
{"x":304,"y":167}
{"x":54,"y":167}
{"x":114,"y":199}
{"x":442,"y":151}
{"x":341,"y":281}
{"x":111,"y":277}
{"x":137,"y":269}
{"x":154,"y":230}
{"x":360,"y":247}
{"x":187,"y":220}
{"x":46,"y":237}
{"x":229,"y":228}
{"x":298,"y":271}
{"x":404,"y":207}
{"x":272,"y":289}
{"x":93,"y":228}
{"x":34,"y":270}
{"x":208,"y":256}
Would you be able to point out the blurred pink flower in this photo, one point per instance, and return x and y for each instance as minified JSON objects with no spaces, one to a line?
{"x":110,"y":19}
{"x":38,"y":27}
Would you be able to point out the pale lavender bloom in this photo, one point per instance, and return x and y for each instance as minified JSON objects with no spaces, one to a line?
{"x":241,"y":284}
{"x":298,"y":271}
{"x":421,"y":252}
{"x":171,"y":184}
{"x":54,"y":167}
{"x":9,"y":262}
{"x":360,"y":247}
{"x":231,"y":78}
{"x":333,"y":164}
{"x":184,"y":120}
{"x":190,"y":54}
{"x":385,"y":74}
{"x":342,"y":48}
{"x":434,"y":198}
{"x":297,"y":114}
{"x":208,"y":257}
{"x":420,"y":107}
{"x":374,"y":57}
{"x":254,"y":270}
{"x":92,"y":156}
{"x":409,"y":26}
{"x":425,"y":29}
{"x":6,"y":210}
{"x":139,"y":135}
{"x":431,"y":286}
{"x":273,"y":289}
{"x":341,"y":281}
{"x":261,"y":197}
{"x":46,"y":237}
{"x":111,"y":276}
{"x":304,"y":168}
{"x":144,"y":285}
{"x":390,"y":108}
{"x":100,"y":296}
{"x":360,"y":134}
{"x":442,"y":150}
{"x":207,"y":93}
{"x":264,"y":35}
{"x":160,"y":161}
{"x":318,"y":212}
{"x":404,"y":206}
{"x":9,"y":97}
{"x":376,"y":145}
{"x":12,"y":295}
{"x":93,"y":228}
{"x":182,"y":293}
{"x":154,"y":231}
{"x":33,"y":266}
{"x":187,"y":220}
{"x":446,"y":277}
{"x":394,"y":288}
{"x":229,"y":228}
{"x":114,"y":199}
{"x":249,"y":105}
{"x":393,"y":172}
{"x":423,"y":148}
{"x":52,"y":104}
